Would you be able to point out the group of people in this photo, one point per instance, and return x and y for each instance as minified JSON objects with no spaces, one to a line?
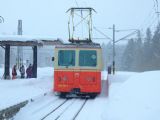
{"x":29,"y":71}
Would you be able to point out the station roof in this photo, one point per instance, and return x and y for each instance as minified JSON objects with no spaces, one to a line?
{"x":23,"y":40}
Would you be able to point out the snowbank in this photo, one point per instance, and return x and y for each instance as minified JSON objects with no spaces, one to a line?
{"x":15,"y":91}
{"x":120,"y":76}
{"x":138,"y":99}
{"x":104,"y":75}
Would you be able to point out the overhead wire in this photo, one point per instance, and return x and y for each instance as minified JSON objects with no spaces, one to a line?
{"x":76,"y":3}
{"x":157,"y":4}
{"x":150,"y":20}
{"x":102,"y":33}
{"x":156,"y":8}
{"x":154,"y":4}
{"x":152,"y":23}
{"x":95,"y":28}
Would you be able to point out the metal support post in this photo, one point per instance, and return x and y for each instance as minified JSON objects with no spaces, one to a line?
{"x":113,"y":49}
{"x":7,"y":62}
{"x":35,"y":62}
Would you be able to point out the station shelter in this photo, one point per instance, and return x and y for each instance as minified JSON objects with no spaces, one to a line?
{"x":24,"y":41}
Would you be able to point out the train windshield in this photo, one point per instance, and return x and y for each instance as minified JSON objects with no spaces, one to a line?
{"x":88,"y":58}
{"x":66,"y":58}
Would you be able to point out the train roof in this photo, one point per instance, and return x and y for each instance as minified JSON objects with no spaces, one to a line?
{"x":79,"y":45}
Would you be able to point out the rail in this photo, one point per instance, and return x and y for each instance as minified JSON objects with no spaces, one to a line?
{"x":54,"y":109}
{"x":76,"y":115}
{"x":65,"y":110}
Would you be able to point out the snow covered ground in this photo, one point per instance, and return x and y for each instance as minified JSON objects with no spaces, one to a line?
{"x":132,"y":96}
{"x":137,"y":99}
{"x":15,"y":91}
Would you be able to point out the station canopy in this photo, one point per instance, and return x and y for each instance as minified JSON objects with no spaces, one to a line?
{"x":25,"y":40}
{"x":6,"y":41}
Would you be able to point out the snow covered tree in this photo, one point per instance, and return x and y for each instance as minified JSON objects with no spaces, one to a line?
{"x":147,"y":51}
{"x":156,"y":49}
{"x":128,"y":56}
{"x":142,"y":56}
{"x":138,"y":53}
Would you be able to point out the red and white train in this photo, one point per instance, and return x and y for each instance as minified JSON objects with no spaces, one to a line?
{"x":77,"y":69}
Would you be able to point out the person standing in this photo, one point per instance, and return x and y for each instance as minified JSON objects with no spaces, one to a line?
{"x":22,"y":71}
{"x":14,"y":72}
{"x":29,"y":71}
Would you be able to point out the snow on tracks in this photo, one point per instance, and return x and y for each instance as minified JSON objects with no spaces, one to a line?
{"x":52,"y":108}
{"x":69,"y":111}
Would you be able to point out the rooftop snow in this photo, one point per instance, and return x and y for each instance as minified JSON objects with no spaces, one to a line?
{"x":24,"y":38}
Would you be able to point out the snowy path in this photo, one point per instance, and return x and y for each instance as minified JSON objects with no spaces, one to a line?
{"x":92,"y":110}
{"x":141,"y":103}
{"x":21,"y":89}
{"x":52,"y":108}
{"x":68,"y":112}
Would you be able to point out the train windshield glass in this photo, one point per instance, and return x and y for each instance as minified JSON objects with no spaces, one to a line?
{"x":66,"y":58}
{"x":88,"y":58}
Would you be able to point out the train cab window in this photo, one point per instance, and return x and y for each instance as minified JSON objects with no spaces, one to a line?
{"x":88,"y":58}
{"x":66,"y":58}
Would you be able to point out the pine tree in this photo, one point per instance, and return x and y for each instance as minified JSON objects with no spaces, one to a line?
{"x":138,"y":53}
{"x":156,"y":49}
{"x":128,"y":56}
{"x":147,"y":50}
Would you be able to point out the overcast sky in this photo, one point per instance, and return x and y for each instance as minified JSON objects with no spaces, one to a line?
{"x":48,"y":17}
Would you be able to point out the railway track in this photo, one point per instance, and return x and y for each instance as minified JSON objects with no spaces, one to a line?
{"x":54,"y":109}
{"x":45,"y":107}
{"x":76,"y":115}
{"x":64,"y":108}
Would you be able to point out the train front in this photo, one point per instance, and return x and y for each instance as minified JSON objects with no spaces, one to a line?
{"x":77,"y":70}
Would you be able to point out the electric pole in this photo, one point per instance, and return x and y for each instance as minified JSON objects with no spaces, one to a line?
{"x":113,"y":64}
{"x":19,"y":49}
{"x":115,"y":41}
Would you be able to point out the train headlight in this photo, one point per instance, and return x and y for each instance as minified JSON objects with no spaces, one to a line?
{"x":64,"y":78}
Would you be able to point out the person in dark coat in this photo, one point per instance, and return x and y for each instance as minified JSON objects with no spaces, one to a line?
{"x":14,"y":72}
{"x":22,"y":71}
{"x":29,"y":71}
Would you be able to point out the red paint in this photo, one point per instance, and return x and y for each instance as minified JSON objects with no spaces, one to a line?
{"x":87,"y":81}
